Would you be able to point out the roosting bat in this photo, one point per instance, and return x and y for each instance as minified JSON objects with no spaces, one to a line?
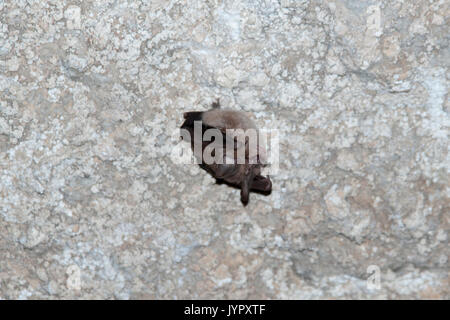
{"x":244,"y":175}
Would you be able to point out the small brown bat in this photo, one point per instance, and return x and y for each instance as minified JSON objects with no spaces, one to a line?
{"x":243,"y":175}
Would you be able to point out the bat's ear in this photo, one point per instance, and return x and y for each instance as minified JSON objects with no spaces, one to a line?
{"x":216,"y":104}
{"x":246,"y":184}
{"x":245,"y":191}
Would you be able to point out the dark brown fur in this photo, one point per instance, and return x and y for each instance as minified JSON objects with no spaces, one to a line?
{"x":246,"y":177}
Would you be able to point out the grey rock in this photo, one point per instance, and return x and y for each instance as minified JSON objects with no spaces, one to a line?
{"x":93,"y":203}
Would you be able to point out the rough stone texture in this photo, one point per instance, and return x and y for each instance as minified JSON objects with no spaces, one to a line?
{"x":91,"y":94}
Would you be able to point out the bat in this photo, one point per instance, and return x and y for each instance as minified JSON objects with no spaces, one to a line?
{"x":246,"y":174}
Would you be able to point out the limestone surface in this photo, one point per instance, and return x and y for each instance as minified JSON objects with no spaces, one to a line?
{"x":93,"y":204}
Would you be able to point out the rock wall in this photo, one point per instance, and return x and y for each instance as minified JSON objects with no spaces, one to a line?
{"x":93,"y":206}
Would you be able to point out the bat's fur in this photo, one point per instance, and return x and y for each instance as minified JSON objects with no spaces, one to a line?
{"x":227,"y":119}
{"x":246,"y":176}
